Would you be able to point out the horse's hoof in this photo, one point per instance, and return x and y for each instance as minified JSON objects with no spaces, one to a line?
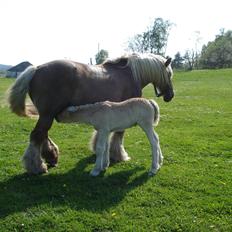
{"x":121,"y":159}
{"x":41,"y":171}
{"x":52,"y":165}
{"x":37,"y":172}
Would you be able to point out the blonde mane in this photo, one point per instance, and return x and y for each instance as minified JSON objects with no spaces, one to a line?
{"x":147,"y":68}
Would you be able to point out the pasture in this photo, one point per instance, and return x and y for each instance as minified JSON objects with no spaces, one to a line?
{"x":191,"y":192}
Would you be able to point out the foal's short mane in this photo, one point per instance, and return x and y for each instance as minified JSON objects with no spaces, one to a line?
{"x":145,"y":67}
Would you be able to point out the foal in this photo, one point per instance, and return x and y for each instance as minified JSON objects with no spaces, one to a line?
{"x":107,"y":117}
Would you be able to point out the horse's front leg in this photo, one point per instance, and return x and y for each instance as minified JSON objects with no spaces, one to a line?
{"x":32,"y":159}
{"x":117,"y":151}
{"x":50,"y":152}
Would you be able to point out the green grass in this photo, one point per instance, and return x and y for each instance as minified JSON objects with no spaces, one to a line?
{"x":191,"y":192}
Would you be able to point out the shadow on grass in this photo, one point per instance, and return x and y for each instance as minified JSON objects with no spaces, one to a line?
{"x":75,"y":189}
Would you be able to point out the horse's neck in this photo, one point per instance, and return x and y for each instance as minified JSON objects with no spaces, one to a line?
{"x":144,"y":83}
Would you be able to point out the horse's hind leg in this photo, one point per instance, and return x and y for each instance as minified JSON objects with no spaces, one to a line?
{"x":117,"y":151}
{"x":32,"y":160}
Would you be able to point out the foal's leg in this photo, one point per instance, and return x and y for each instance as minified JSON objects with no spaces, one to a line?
{"x":156,"y":151}
{"x":101,"y":149}
{"x":117,"y":151}
{"x":93,"y":143}
{"x":106,"y":155}
{"x":32,"y":160}
{"x":161,"y":158}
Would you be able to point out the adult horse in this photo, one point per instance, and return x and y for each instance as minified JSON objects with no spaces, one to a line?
{"x":55,"y":85}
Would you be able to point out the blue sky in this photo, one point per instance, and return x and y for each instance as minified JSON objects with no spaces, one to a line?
{"x":44,"y":30}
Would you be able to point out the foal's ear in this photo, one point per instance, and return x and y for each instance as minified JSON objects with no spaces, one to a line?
{"x":168,"y":61}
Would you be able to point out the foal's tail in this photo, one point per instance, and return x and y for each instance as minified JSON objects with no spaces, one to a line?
{"x":157,"y":111}
{"x":18,"y":92}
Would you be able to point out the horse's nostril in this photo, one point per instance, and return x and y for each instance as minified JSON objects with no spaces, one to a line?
{"x":168,"y":97}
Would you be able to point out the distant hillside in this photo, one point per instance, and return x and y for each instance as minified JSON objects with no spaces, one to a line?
{"x":4,"y":67}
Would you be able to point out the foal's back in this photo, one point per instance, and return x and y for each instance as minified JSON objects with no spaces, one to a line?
{"x":129,"y":113}
{"x":111,"y":116}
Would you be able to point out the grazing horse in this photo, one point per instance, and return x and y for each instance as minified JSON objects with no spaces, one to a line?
{"x":107,"y":117}
{"x":58,"y":84}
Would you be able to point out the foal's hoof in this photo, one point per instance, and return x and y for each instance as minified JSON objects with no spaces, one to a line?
{"x":153,"y":172}
{"x":161,"y":161}
{"x":150,"y":173}
{"x":127,"y":158}
{"x":95,"y":172}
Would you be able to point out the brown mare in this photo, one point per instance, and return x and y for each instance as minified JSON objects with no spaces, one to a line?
{"x":55,"y":85}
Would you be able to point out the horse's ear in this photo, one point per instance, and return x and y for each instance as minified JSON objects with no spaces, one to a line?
{"x":168,"y":61}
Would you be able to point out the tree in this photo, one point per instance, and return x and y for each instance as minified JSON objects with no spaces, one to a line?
{"x":154,"y":40}
{"x":101,"y":56}
{"x":178,"y":61}
{"x":218,"y":53}
{"x":190,"y":59}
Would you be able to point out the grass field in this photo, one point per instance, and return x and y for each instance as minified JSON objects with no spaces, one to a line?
{"x":191,"y":192}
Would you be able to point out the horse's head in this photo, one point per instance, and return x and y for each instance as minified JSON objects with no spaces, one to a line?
{"x":164,"y":87}
{"x":149,"y":68}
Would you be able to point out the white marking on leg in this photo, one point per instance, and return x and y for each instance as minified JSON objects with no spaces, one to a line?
{"x":32,"y":160}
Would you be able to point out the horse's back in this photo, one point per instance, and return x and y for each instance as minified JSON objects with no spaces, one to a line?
{"x":62,"y":83}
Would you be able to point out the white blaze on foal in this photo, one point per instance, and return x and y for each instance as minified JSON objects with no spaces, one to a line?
{"x":107,"y":117}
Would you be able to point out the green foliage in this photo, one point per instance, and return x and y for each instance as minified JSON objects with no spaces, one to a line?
{"x":177,"y":62}
{"x":191,"y":192}
{"x":218,"y":54}
{"x":101,"y":56}
{"x":154,"y":40}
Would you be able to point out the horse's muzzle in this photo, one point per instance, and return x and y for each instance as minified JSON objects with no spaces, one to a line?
{"x":168,"y":96}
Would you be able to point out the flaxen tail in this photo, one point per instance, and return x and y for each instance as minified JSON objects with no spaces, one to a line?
{"x":157,"y":111}
{"x":18,"y":91}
